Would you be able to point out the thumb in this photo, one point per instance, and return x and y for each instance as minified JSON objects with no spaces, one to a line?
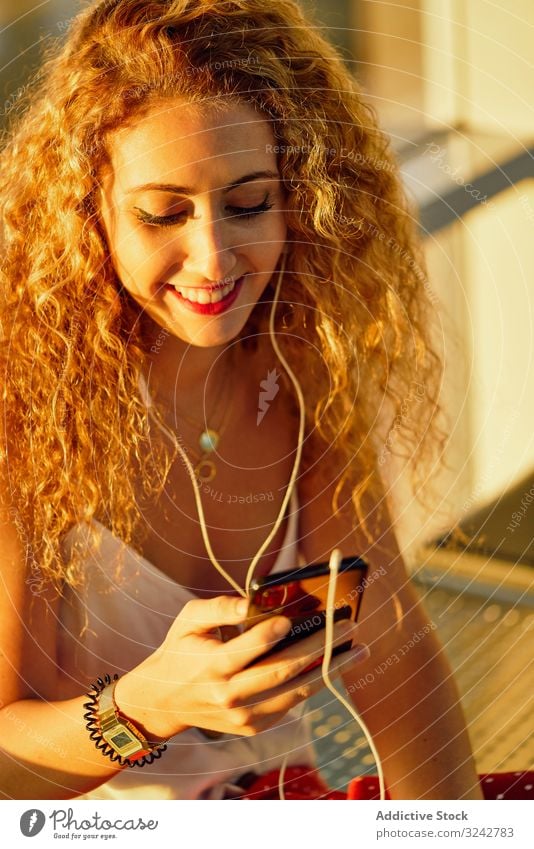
{"x":202,"y":615}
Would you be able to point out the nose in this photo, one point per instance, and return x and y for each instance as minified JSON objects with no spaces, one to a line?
{"x":208,"y":251}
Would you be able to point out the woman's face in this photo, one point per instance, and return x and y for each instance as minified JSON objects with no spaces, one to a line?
{"x":194,"y":216}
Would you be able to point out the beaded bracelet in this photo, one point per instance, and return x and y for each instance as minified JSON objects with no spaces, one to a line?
{"x":113,"y":734}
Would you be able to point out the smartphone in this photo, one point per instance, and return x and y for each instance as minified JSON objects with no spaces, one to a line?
{"x":300,"y":594}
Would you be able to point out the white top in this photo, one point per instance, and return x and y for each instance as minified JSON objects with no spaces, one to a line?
{"x":112,"y":625}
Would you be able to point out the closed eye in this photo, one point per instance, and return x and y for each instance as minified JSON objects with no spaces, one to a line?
{"x":241,"y":212}
{"x":250,"y":211}
{"x":159,"y":220}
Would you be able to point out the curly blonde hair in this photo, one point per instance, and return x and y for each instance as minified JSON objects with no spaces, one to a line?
{"x":72,"y":348}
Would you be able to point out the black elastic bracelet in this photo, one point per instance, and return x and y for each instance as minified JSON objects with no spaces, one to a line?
{"x":93,"y":726}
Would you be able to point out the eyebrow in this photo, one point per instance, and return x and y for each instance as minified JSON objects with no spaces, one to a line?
{"x":186,"y":190}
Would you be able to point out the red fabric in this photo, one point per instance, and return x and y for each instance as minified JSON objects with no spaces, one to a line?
{"x":365,"y":787}
{"x":302,"y":782}
{"x":507,"y":785}
{"x":496,"y":785}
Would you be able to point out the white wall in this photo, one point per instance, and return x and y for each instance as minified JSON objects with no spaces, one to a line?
{"x":477,"y":64}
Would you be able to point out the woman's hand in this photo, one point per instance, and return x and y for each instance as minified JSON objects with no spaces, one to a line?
{"x":196,"y":679}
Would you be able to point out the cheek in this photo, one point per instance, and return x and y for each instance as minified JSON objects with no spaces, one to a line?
{"x":140,"y":259}
{"x":281,"y":230}
{"x":273,"y":238}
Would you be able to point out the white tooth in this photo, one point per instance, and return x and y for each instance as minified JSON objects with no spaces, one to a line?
{"x":204,"y":296}
{"x":192,"y":295}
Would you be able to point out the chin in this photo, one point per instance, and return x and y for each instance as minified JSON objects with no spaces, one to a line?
{"x":212,"y":340}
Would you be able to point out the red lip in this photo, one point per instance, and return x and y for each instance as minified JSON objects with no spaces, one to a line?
{"x":210,"y":309}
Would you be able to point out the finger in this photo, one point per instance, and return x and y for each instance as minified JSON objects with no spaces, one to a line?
{"x":357,"y":654}
{"x":251,"y":644}
{"x":285,"y":665}
{"x":307,"y":649}
{"x":307,"y":684}
{"x":200,"y":616}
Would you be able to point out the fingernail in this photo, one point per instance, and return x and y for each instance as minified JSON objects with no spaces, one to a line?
{"x":241,"y":607}
{"x":361,"y":652}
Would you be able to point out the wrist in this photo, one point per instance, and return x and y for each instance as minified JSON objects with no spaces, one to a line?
{"x":112,"y":732}
{"x":134,"y":696}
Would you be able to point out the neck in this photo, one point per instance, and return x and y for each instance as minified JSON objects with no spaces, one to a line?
{"x":188,"y":378}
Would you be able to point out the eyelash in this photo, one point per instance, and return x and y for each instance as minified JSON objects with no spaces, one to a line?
{"x":170,"y":220}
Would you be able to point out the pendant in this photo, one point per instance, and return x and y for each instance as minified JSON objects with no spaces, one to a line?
{"x":209,"y":439}
{"x":205,"y":469}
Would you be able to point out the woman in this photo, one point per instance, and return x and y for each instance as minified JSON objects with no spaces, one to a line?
{"x":184,"y":170}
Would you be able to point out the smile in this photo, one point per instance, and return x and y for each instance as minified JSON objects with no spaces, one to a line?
{"x":208,"y":301}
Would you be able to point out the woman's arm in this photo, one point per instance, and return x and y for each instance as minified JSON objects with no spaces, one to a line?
{"x":405,"y":691}
{"x":45,"y":749}
{"x":46,"y":752}
{"x":406,"y":694}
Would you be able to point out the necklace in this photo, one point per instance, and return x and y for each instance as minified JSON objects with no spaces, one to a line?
{"x":209,"y":438}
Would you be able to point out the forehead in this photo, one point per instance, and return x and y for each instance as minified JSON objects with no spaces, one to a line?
{"x":209,"y":144}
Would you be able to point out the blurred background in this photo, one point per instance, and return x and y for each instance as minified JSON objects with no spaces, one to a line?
{"x":452,"y":83}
